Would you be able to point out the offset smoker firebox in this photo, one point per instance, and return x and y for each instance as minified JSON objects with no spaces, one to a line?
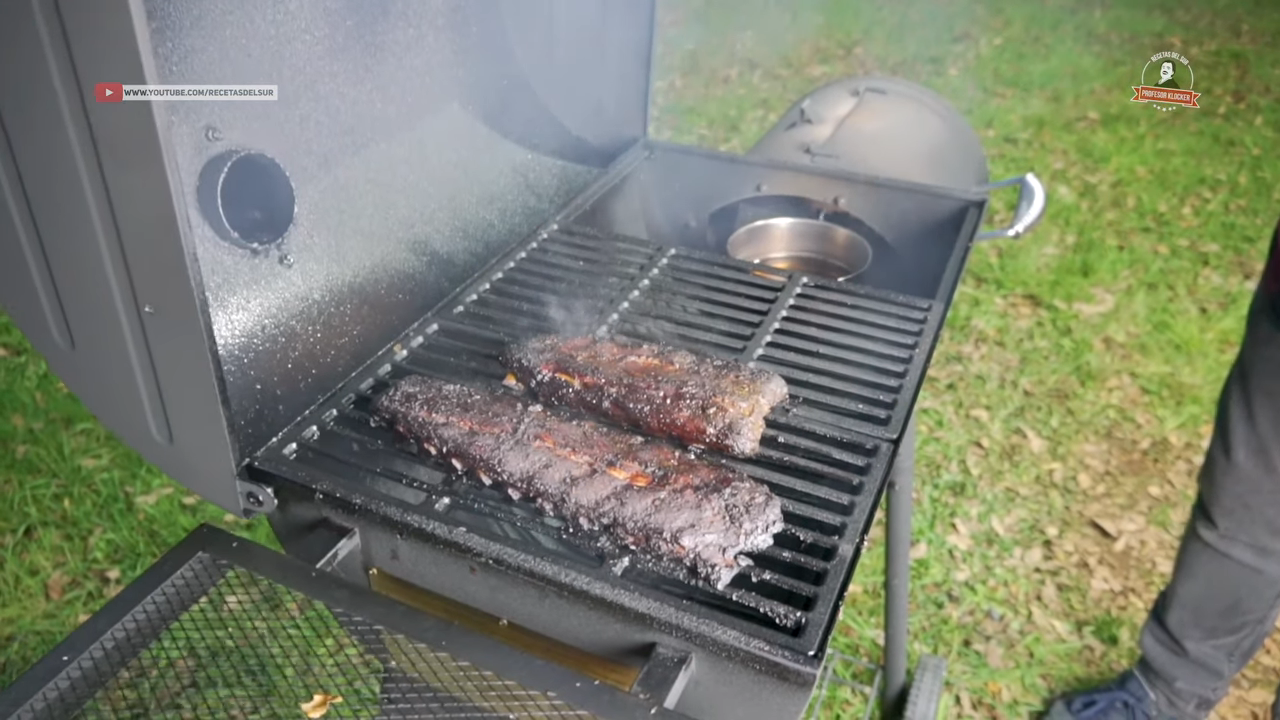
{"x":228,"y":286}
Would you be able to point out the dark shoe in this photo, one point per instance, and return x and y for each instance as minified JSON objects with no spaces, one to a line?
{"x":1125,"y":699}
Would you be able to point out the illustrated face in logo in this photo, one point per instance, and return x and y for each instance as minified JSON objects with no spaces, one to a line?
{"x":1163,"y":79}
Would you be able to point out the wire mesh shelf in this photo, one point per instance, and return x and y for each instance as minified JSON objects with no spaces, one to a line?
{"x":222,"y":627}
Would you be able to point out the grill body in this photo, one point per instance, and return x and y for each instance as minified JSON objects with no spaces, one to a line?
{"x":854,"y":356}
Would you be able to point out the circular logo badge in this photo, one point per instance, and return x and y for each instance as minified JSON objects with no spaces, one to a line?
{"x":1166,"y":83}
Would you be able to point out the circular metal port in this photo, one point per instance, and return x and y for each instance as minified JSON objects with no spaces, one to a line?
{"x":247,"y":197}
{"x":811,"y":247}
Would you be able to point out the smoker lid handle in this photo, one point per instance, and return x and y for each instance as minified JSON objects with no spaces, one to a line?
{"x":1031,"y":205}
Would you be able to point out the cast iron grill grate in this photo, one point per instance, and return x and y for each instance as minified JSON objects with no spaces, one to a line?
{"x":217,"y":640}
{"x":852,"y":356}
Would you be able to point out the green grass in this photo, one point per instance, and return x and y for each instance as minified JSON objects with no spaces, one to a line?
{"x":1076,"y":380}
{"x":1068,"y":404}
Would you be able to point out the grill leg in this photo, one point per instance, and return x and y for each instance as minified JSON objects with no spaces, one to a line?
{"x":898,"y":574}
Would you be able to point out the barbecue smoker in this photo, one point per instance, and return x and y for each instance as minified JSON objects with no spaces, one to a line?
{"x":229,"y":285}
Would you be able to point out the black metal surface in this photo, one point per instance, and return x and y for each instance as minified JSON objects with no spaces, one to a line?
{"x":694,"y":198}
{"x":853,"y":357}
{"x":221,"y":627}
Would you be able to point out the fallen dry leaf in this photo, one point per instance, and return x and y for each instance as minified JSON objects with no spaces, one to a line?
{"x":960,"y":542}
{"x":55,"y":587}
{"x":190,"y":500}
{"x":90,"y":463}
{"x":319,"y":705}
{"x":112,"y":574}
{"x":82,"y":618}
{"x":1259,"y":696}
{"x":1103,"y":303}
{"x":1106,"y":527}
{"x":994,"y":656}
{"x":919,"y":551}
{"x":1036,"y":443}
{"x":93,"y":537}
{"x":153,"y":496}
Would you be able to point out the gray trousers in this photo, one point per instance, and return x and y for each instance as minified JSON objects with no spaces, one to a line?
{"x":1224,"y":596}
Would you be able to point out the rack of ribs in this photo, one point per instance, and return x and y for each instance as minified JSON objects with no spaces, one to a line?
{"x":661,"y":391}
{"x":654,"y":496}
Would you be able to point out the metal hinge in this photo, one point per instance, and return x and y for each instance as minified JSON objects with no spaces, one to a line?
{"x":255,"y":499}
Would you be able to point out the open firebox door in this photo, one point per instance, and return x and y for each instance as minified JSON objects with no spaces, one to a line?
{"x":231,"y":286}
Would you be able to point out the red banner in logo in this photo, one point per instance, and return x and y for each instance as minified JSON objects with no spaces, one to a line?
{"x":1146,"y":93}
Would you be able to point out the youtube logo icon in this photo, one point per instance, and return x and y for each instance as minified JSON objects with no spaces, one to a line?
{"x":109,"y":92}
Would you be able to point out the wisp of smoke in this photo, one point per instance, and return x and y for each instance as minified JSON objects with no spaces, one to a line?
{"x":573,"y":316}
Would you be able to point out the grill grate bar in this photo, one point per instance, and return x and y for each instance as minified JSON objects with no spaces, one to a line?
{"x":714,"y":297}
{"x":889,"y":384}
{"x":658,"y":331}
{"x":822,"y":313}
{"x":757,"y":575}
{"x":864,"y":359}
{"x":795,"y":333}
{"x":800,"y":321}
{"x":771,"y":321}
{"x":682,"y":305}
{"x":824,"y":386}
{"x":680,"y":323}
{"x":732,"y":270}
{"x":784,"y":447}
{"x":620,"y":305}
{"x":522,"y":289}
{"x":914,"y":308}
{"x":551,"y":283}
{"x":789,"y":561}
{"x":735,"y":291}
{"x":613,"y":254}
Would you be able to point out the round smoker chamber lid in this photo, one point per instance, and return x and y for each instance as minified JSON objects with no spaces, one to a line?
{"x":884,"y":127}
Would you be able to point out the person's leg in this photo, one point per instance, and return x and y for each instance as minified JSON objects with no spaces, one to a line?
{"x":1223,"y":598}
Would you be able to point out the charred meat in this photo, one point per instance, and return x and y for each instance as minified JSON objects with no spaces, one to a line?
{"x":661,"y":391}
{"x":649,"y":494}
